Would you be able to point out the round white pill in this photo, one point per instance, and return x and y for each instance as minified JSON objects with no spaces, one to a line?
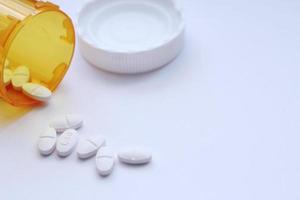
{"x":47,"y":141}
{"x":105,"y":161}
{"x":20,"y":76}
{"x":89,"y":146}
{"x":69,"y":121}
{"x":135,"y":156}
{"x":67,"y":142}
{"x":37,"y":91}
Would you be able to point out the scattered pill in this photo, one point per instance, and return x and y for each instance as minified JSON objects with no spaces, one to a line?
{"x":20,"y":76}
{"x":37,"y":91}
{"x":105,"y":161}
{"x":67,"y":142}
{"x":88,"y":147}
{"x":135,"y":156}
{"x":7,"y":75}
{"x":67,"y":122}
{"x":47,"y":141}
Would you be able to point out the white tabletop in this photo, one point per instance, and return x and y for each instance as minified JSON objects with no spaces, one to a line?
{"x":222,"y":119}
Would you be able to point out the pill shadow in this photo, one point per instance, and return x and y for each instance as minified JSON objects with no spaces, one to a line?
{"x":84,"y":160}
{"x":135,"y":166}
{"x":110,"y":176}
{"x":62,"y":158}
{"x":41,"y":156}
{"x":10,"y":114}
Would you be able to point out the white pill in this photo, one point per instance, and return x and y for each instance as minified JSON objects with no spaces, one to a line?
{"x":105,"y":161}
{"x":67,"y":142}
{"x":20,"y":76}
{"x":47,"y":141}
{"x":67,"y":122}
{"x":37,"y":91}
{"x":89,"y":146}
{"x":7,"y":76}
{"x":135,"y":156}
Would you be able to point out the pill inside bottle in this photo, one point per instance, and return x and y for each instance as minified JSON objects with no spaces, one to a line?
{"x":39,"y":36}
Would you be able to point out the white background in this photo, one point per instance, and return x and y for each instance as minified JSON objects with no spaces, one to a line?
{"x":222,"y":120}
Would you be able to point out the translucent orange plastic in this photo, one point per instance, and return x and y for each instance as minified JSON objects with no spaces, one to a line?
{"x":38,"y":35}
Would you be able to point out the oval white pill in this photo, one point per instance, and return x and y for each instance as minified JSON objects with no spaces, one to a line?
{"x":20,"y":76}
{"x":37,"y":91}
{"x":67,"y":122}
{"x":105,"y":161}
{"x":135,"y":156}
{"x":7,"y":75}
{"x":47,"y":141}
{"x":67,"y":142}
{"x":89,"y":146}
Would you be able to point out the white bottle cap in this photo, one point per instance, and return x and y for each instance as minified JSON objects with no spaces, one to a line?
{"x":130,"y":36}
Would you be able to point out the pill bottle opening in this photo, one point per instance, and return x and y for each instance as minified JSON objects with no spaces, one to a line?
{"x":45,"y":44}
